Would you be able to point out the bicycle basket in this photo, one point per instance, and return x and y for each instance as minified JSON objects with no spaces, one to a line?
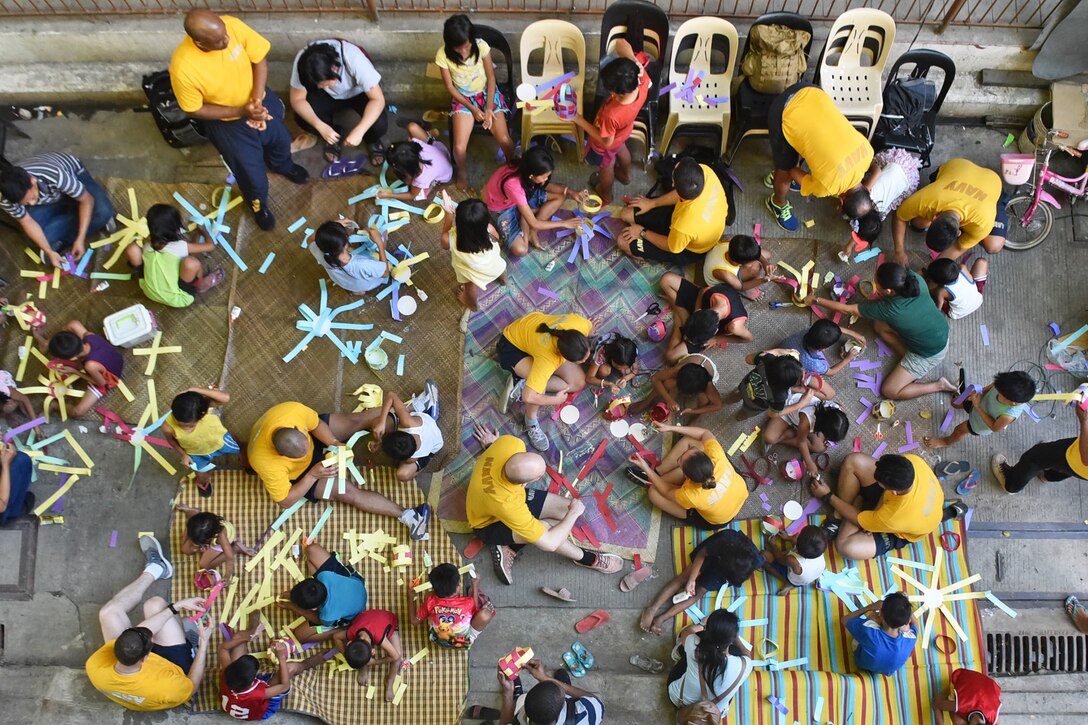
{"x":1016,"y":168}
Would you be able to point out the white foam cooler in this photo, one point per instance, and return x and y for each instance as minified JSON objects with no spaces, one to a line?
{"x":131,"y":326}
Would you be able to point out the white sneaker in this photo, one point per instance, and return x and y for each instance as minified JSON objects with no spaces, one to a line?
{"x":537,"y":437}
{"x":511,"y":394}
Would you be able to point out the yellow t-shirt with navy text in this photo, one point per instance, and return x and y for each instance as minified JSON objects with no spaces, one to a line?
{"x":912,"y":515}
{"x":219,"y":77}
{"x":493,"y":497}
{"x":275,"y":469}
{"x":698,"y":224}
{"x":159,"y":685}
{"x":720,"y":504}
{"x":965,"y":188}
{"x":837,"y":154}
{"x":541,"y":346}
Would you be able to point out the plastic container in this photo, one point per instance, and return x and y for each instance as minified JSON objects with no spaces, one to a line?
{"x":130,"y":327}
{"x":1016,"y":168}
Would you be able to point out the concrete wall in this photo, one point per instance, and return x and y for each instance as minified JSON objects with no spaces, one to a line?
{"x":67,"y":61}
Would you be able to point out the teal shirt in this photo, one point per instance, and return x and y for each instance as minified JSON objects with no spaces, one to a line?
{"x":995,"y":408}
{"x":922,"y":327}
{"x":345,"y":597}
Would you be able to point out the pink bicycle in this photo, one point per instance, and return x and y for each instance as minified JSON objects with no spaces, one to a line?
{"x":1030,"y":215}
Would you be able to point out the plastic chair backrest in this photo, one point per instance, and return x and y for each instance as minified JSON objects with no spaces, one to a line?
{"x":641,"y":23}
{"x":553,"y":36}
{"x":922,"y":61}
{"x":694,"y":48}
{"x":789,"y":20}
{"x":859,"y":38}
{"x":504,"y":67}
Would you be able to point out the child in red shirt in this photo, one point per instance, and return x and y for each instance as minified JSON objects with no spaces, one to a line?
{"x":606,"y":146}
{"x":455,"y":620}
{"x":369,"y":629}
{"x":973,"y":699}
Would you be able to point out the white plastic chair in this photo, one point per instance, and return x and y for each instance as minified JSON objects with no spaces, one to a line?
{"x":716,"y":85}
{"x":852,"y":63}
{"x":553,"y":36}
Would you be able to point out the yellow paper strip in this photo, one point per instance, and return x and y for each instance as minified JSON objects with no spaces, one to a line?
{"x":52,"y":468}
{"x":419,"y":655}
{"x":78,"y":449}
{"x":370,"y":690}
{"x":48,"y":503}
{"x":27,"y":346}
{"x":400,"y":693}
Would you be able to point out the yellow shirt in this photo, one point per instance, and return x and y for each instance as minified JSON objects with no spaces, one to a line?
{"x":837,"y":154}
{"x":541,"y":346}
{"x":159,"y":685}
{"x":912,"y":515}
{"x":698,"y":224}
{"x":720,"y":504}
{"x":469,"y":78}
{"x":207,"y":437}
{"x":220,"y":77}
{"x":493,"y":497}
{"x":275,"y":469}
{"x":1072,"y":457}
{"x":965,"y":188}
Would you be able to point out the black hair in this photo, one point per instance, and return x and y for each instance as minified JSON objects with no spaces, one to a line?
{"x":831,"y":421}
{"x":942,"y":233}
{"x":573,"y":345}
{"x":621,"y":351}
{"x":535,"y":162}
{"x":358,"y":653}
{"x":65,"y":345}
{"x":4,"y":398}
{"x":692,"y":379}
{"x":719,"y":633}
{"x":543,"y":703}
{"x":164,"y":225}
{"x":332,"y":238}
{"x":700,"y":327}
{"x":687,"y":178}
{"x":14,"y":183}
{"x":743,"y":249}
{"x":736,"y":560}
{"x":620,"y":76}
{"x":699,"y":468}
{"x":189,"y":407}
{"x":822,"y":335}
{"x":894,"y":472}
{"x":319,"y":63}
{"x":471,"y":219}
{"x":943,"y":270}
{"x":897,"y":278}
{"x":457,"y":31}
{"x":783,"y":371}
{"x":870,"y":225}
{"x":399,"y":445}
{"x":132,"y":645}
{"x":856,"y":203}
{"x":811,"y":542}
{"x":405,"y":159}
{"x":444,"y":579}
{"x":203,"y":528}
{"x":1015,"y":385}
{"x":309,"y":593}
{"x":896,"y":610}
{"x":241,"y":673}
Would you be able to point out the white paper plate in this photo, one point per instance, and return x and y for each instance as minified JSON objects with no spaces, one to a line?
{"x":406,"y":305}
{"x":638,"y":430}
{"x":793,"y":510}
{"x":569,"y":415}
{"x":619,"y":428}
{"x":525,"y":92}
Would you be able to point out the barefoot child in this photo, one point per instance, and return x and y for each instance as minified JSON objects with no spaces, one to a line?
{"x":693,"y":379}
{"x":455,"y":620}
{"x":87,"y":355}
{"x":167,"y":270}
{"x":214,"y":538}
{"x":12,"y":401}
{"x":614,"y":356}
{"x":355,"y":270}
{"x":955,"y":290}
{"x":809,"y":430}
{"x":422,"y":163}
{"x":801,"y":566}
{"x":992,"y":411}
{"x":972,"y":699}
{"x":741,"y":263}
{"x":197,"y":434}
{"x":329,"y":599}
{"x":767,"y":387}
{"x":473,"y":244}
{"x":372,"y":628}
{"x":811,"y":345}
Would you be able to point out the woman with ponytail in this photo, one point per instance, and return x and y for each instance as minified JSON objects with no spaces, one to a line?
{"x":715,"y":662}
{"x":696,"y":483}
{"x":909,"y":322}
{"x":355,"y":270}
{"x":544,"y":356}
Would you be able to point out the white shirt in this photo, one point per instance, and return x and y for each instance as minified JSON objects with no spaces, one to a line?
{"x":430,"y":436}
{"x":889,"y":186}
{"x":734,"y":667}
{"x":357,"y":74}
{"x":965,"y":296}
{"x":811,"y":569}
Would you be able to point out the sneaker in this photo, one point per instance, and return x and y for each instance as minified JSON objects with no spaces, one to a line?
{"x":264,"y":218}
{"x":832,"y":526}
{"x":157,"y":564}
{"x":417,"y":530}
{"x":637,"y":475}
{"x":192,"y":634}
{"x":537,"y":436}
{"x":111,"y":226}
{"x":605,"y":563}
{"x":768,"y":181}
{"x":783,"y":215}
{"x":954,"y":510}
{"x":998,"y":465}
{"x":511,"y":393}
{"x":298,"y":175}
{"x":430,"y":398}
{"x":503,"y":559}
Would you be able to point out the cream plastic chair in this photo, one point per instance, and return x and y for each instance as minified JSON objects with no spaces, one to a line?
{"x":714,"y":85}
{"x":853,"y":62}
{"x":553,"y":36}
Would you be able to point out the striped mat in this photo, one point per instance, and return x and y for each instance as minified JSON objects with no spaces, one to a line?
{"x":437,"y":685}
{"x":806,"y":624}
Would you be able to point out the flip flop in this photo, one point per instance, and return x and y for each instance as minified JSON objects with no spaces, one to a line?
{"x":590,"y":621}
{"x":583,"y":654}
{"x":340,"y":169}
{"x":473,"y":548}
{"x":376,"y":155}
{"x":563,"y":594}
{"x":963,"y":381}
{"x":573,"y":664}
{"x":302,"y":142}
{"x":949,"y":468}
{"x":647,"y":664}
{"x":968,"y":484}
{"x":1072,"y":604}
{"x":635,"y":578}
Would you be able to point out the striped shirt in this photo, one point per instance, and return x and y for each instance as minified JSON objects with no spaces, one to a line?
{"x":587,"y":711}
{"x":57,"y":175}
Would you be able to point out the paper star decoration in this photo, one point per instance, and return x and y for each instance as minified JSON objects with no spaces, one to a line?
{"x":322,"y":324}
{"x":933,"y":598}
{"x":140,"y":434}
{"x":57,"y":387}
{"x":343,"y":458}
{"x":214,"y":228}
{"x":134,"y":231}
{"x":590,"y":228}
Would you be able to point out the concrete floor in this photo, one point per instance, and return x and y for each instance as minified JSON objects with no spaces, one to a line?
{"x":46,"y":639}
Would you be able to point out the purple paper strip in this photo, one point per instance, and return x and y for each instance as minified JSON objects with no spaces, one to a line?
{"x":547,"y":293}
{"x":113,"y":539}
{"x":947,"y":421}
{"x":23,"y":428}
{"x":985,"y":335}
{"x":1031,"y":413}
{"x":865,"y":414}
{"x":882,"y":349}
{"x":909,"y":447}
{"x":866,"y":364}
{"x":880,"y":449}
{"x":810,"y":508}
{"x":910,"y":433}
{"x":226,"y":632}
{"x":966,"y":394}
{"x":967,"y":519}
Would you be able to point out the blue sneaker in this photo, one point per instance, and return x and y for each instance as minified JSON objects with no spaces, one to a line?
{"x":417,"y":529}
{"x":768,"y":181}
{"x":783,"y":215}
{"x":430,"y":394}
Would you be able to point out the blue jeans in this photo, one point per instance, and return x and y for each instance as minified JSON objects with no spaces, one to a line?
{"x":509,"y":220}
{"x":60,"y":220}
{"x":20,"y":483}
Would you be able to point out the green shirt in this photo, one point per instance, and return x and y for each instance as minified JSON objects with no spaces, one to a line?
{"x":917,"y":320}
{"x":162,"y":270}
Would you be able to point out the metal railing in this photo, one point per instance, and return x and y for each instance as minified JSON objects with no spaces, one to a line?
{"x":991,"y":13}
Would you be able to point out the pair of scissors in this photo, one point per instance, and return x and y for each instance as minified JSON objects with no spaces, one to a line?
{"x":653,"y":309}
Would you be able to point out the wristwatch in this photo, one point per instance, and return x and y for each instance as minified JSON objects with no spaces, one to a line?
{"x":826,"y":498}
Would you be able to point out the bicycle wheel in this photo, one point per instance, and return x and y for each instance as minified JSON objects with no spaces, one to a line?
{"x":1021,"y":236}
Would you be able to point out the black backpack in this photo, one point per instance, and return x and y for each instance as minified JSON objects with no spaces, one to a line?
{"x":175,"y":125}
{"x":907,"y":100}
{"x":664,"y":166}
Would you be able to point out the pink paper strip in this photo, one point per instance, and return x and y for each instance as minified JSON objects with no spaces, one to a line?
{"x":857,"y":444}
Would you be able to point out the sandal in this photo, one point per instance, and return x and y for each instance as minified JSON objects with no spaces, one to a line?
{"x":376,"y":154}
{"x":1072,"y":604}
{"x":583,"y":654}
{"x":635,"y":578}
{"x":562,"y":594}
{"x":949,"y":468}
{"x":647,"y":664}
{"x":206,"y":490}
{"x":302,"y":142}
{"x":573,"y":664}
{"x":590,"y":621}
{"x":968,"y":484}
{"x":213,"y":279}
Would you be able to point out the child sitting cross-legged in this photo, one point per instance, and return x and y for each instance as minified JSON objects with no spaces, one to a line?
{"x":197,"y":434}
{"x":991,"y":411}
{"x":811,"y":344}
{"x":955,"y":290}
{"x":884,"y":633}
{"x":421,"y":162}
{"x":691,"y":379}
{"x":356,"y":270}
{"x":809,"y":430}
{"x":214,"y":538}
{"x":167,"y":270}
{"x":801,"y":566}
{"x":87,"y":355}
{"x":329,"y":599}
{"x":741,"y":263}
{"x":455,"y":620}
{"x":613,"y":362}
{"x":416,"y":437}
{"x":372,"y":628}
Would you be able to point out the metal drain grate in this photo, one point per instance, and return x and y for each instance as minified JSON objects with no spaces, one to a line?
{"x":1028,"y":654}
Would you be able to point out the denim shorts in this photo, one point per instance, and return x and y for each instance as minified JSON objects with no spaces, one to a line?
{"x":508,"y":221}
